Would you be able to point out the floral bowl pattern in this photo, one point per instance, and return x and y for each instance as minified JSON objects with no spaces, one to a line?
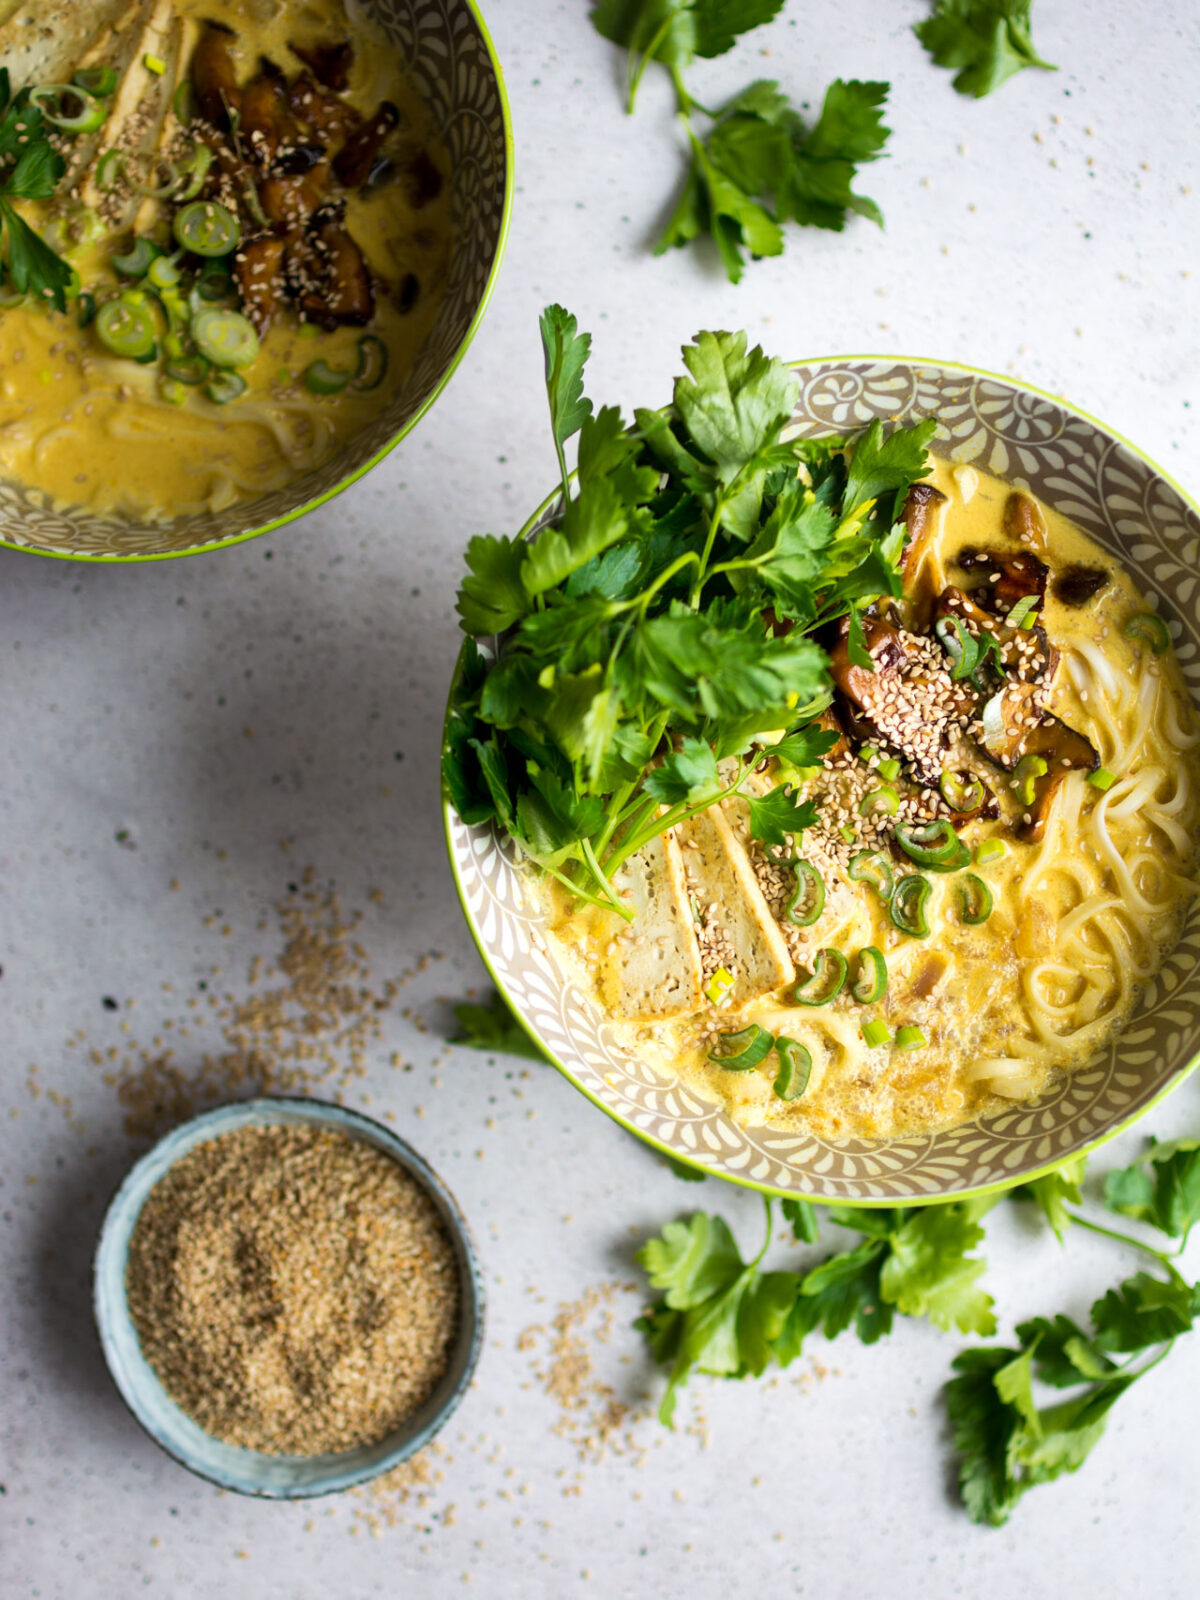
{"x":1127,"y":505}
{"x":454,"y":67}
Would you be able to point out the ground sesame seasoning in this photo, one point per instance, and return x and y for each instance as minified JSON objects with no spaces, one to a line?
{"x":294,"y":1289}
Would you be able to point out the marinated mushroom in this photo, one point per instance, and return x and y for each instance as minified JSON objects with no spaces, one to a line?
{"x":353,"y":162}
{"x":1024,"y":522}
{"x":335,"y":284}
{"x":265,"y":120}
{"x":422,"y":180}
{"x":320,"y":109}
{"x":330,"y":63}
{"x":214,"y":80}
{"x":920,"y":569}
{"x":258,"y":271}
{"x":1075,"y":585}
{"x":1009,"y":576}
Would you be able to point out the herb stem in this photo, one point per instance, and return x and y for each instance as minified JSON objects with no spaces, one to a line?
{"x":648,"y":55}
{"x":611,"y":903}
{"x":1123,"y":1238}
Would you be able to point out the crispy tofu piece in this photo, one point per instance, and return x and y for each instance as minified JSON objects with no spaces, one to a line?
{"x":142,"y":99}
{"x":721,"y":871}
{"x":654,"y":971}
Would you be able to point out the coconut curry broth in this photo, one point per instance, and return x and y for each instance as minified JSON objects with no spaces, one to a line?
{"x":91,"y":429}
{"x":966,"y":988}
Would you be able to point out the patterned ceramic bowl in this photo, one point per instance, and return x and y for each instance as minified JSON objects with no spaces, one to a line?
{"x":1133,"y":509}
{"x":273,"y":1477}
{"x":454,"y":67}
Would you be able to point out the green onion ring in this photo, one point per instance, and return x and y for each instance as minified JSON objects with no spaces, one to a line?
{"x":795,"y":1068}
{"x":871,"y":981}
{"x":749,"y":1048}
{"x":906,"y":908}
{"x":826,"y":980}
{"x":808,"y":898}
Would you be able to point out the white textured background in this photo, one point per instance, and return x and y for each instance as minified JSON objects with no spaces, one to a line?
{"x":1048,"y":231}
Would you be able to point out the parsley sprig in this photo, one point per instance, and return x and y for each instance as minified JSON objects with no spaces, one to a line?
{"x":759,"y":164}
{"x":984,"y":42}
{"x":30,"y":169}
{"x":662,"y":621}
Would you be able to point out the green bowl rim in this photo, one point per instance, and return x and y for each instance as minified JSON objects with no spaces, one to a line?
{"x":114,"y":557}
{"x":449,"y":815}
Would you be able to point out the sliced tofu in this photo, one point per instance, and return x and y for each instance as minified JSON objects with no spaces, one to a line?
{"x":47,"y":42}
{"x":724,"y":879}
{"x":141,"y":103}
{"x":654,"y":971}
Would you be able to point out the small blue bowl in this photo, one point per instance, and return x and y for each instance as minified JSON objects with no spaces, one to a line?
{"x":276,"y":1477}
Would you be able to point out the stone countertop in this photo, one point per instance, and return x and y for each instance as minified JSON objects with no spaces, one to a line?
{"x":184,"y":741}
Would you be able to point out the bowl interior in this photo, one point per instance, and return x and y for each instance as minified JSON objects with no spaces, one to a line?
{"x":232,"y":1466}
{"x":451,"y":62}
{"x":1134,"y":511}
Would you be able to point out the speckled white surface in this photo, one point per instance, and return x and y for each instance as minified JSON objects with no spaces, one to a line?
{"x":209,"y":709}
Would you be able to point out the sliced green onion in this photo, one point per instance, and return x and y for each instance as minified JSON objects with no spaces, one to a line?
{"x":126,"y":329}
{"x":163,"y":272}
{"x":148,"y":357}
{"x":1102,"y":779}
{"x":995,"y":736}
{"x":52,"y":100}
{"x":934,"y":845}
{"x":191,"y":370}
{"x":847,"y":833}
{"x":172,"y":391}
{"x":135,"y":263}
{"x":321,"y":378}
{"x":795,"y":1068}
{"x":871,"y":866}
{"x":825,"y":982}
{"x":1028,"y":770}
{"x":195,"y":169}
{"x":961,"y":791}
{"x":1147,"y":627}
{"x":254,"y":205}
{"x":875,"y":1032}
{"x":990,"y":850}
{"x":718,"y":986}
{"x":372,"y":362}
{"x":1024,"y":613}
{"x":206,"y":228}
{"x":868,"y":753}
{"x":909,"y":1037}
{"x":161,"y":182}
{"x":889,"y":769}
{"x":10,"y":299}
{"x":226,"y":338}
{"x":747,"y":1049}
{"x":223,"y":387}
{"x":883,"y":801}
{"x":960,"y":644}
{"x":808,"y":899}
{"x":184,"y":102}
{"x":109,"y":170}
{"x":155,"y":64}
{"x":871,"y":981}
{"x":96,"y":80}
{"x":907,"y":905}
{"x":976,"y":900}
{"x":86,"y":309}
{"x":213,"y":283}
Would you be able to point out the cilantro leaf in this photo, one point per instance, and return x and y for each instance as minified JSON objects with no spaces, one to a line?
{"x":880,"y":465}
{"x":711,"y":202}
{"x":816,"y":190}
{"x":33,"y":267}
{"x":1141,"y":1312}
{"x":492,"y":596}
{"x":806,"y":747}
{"x":566,"y":351}
{"x":719,"y":1314}
{"x":733,"y":402}
{"x":1052,"y":1192}
{"x":983,"y":1429}
{"x":778,"y":813}
{"x":590,"y":523}
{"x":1162,"y":1187}
{"x":930,"y":1272}
{"x":687,"y":774}
{"x":802,"y":1215}
{"x":984,"y":41}
{"x":492,"y":1026}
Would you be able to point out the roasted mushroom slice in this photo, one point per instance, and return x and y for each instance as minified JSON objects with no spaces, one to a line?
{"x":353,"y":162}
{"x":294,"y":160}
{"x":1009,"y":576}
{"x":1017,"y":728}
{"x":920,"y":567}
{"x":422,"y":179}
{"x":330,"y":63}
{"x":265,"y":121}
{"x":288,"y":202}
{"x":213,"y":78}
{"x":908,"y":699}
{"x":1024,"y":522}
{"x":335,"y":284}
{"x":258,"y":271}
{"x":1027,"y":652}
{"x":1075,"y":585}
{"x":320,"y":109}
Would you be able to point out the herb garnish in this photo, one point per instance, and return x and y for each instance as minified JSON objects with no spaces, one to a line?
{"x":759,"y":165}
{"x":492,"y":1026}
{"x":30,"y":168}
{"x":655,"y":631}
{"x":984,"y":41}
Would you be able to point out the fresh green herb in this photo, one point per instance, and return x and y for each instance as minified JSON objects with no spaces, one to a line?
{"x":639,"y":646}
{"x":1162,"y":1188}
{"x":492,"y":1027}
{"x":1052,"y":1192}
{"x":30,"y":168}
{"x":983,"y":41}
{"x":681,"y":1169}
{"x":759,"y":165}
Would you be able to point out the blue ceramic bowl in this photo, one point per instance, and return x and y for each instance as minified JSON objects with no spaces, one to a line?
{"x":276,"y":1477}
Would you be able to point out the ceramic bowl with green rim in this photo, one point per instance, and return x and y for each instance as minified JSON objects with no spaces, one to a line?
{"x":453,"y":67}
{"x":229,"y":1466}
{"x":1128,"y":506}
